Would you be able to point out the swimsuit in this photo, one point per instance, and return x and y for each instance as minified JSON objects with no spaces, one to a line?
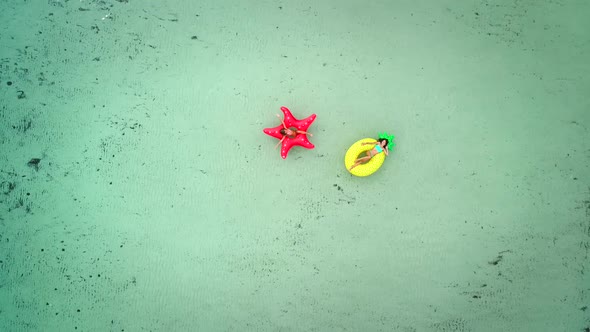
{"x":378,"y":148}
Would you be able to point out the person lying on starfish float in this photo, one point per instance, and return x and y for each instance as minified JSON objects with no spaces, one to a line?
{"x":289,"y":132}
{"x":380,"y":146}
{"x":290,"y":122}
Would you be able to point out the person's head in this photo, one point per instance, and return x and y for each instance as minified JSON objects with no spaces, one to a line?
{"x":287,"y":132}
{"x":383,"y":142}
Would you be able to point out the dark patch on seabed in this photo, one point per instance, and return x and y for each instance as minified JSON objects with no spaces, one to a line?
{"x":585,"y":224}
{"x":587,"y":208}
{"x":13,"y":193}
{"x":452,"y":325}
{"x":586,"y":244}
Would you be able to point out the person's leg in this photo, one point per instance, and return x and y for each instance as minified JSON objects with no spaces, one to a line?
{"x":301,"y":132}
{"x":364,"y":159}
{"x":360,"y":161}
{"x":354,"y":165}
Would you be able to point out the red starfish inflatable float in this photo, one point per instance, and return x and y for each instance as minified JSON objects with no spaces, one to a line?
{"x":291,"y":122}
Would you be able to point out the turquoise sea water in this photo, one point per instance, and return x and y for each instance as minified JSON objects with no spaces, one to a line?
{"x":157,"y":203}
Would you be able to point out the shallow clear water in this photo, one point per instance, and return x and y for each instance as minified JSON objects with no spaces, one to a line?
{"x":158,"y":204}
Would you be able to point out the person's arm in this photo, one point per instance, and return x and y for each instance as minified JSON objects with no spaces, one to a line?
{"x":386,"y":150}
{"x":281,"y":141}
{"x":365,"y":143}
{"x":282,"y":121}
